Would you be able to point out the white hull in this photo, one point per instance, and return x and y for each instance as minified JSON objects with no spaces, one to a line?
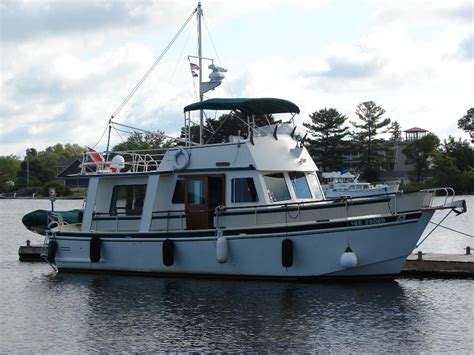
{"x":381,"y":250}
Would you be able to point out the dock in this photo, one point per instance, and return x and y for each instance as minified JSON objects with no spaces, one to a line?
{"x":30,"y":252}
{"x":417,"y":264}
{"x":440,"y":265}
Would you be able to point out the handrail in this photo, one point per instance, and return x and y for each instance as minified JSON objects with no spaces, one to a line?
{"x":448,"y":192}
{"x":135,"y":160}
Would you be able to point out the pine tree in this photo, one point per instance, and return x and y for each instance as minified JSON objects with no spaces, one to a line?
{"x":371,"y":147}
{"x":327,"y":134}
{"x":396,"y":131}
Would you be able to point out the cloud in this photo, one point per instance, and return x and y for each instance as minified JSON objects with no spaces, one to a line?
{"x":425,"y":11}
{"x":26,"y":20}
{"x":466,"y":47}
{"x":348,"y":68}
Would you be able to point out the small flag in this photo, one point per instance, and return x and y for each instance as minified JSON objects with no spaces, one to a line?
{"x":95,"y":156}
{"x":194,"y":66}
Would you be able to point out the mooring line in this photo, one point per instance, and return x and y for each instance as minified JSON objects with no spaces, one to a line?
{"x":454,"y":230}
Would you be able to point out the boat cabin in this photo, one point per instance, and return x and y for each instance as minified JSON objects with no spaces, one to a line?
{"x":191,"y":185}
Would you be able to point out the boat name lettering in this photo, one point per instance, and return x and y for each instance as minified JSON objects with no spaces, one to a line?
{"x":368,"y":222}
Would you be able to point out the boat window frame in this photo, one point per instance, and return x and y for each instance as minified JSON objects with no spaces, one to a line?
{"x":320,"y":186}
{"x":293,"y":185}
{"x":232,"y":192}
{"x":113,"y":210}
{"x":270,"y":193}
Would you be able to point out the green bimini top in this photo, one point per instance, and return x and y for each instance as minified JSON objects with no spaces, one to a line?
{"x":261,"y":106}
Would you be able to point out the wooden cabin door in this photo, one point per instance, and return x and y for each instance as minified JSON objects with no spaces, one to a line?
{"x":202,"y":195}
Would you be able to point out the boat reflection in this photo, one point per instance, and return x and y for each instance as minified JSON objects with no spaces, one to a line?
{"x":149,"y":314}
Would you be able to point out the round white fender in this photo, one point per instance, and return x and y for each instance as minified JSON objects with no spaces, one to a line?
{"x":348,"y":259}
{"x":222,"y":249}
{"x":184,"y":160}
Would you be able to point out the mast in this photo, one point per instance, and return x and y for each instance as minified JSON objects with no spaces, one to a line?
{"x":201,"y":95}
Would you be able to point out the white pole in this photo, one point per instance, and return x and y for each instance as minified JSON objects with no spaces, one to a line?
{"x":201,"y":96}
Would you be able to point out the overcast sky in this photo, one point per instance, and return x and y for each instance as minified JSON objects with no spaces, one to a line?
{"x":67,"y":65}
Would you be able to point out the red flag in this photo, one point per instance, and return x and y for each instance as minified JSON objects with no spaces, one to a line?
{"x":194,"y":66}
{"x":95,"y":156}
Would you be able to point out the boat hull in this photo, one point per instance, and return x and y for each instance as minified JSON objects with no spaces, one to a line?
{"x":380,"y":244}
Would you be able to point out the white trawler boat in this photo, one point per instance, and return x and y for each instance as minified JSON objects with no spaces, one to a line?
{"x":247,"y":208}
{"x":337,"y":184}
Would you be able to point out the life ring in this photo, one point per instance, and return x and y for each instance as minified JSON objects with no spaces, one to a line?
{"x":185,"y":162}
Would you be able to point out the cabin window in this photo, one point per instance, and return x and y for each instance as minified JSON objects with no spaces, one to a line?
{"x":178,"y":194}
{"x":127,"y":200}
{"x":300,"y":185}
{"x":315,"y":187}
{"x":196,"y":192}
{"x":243,"y":190}
{"x":276,"y":187}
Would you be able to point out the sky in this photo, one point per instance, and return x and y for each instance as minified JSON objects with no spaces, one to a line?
{"x":66,"y":66}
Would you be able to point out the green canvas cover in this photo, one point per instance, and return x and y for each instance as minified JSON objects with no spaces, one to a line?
{"x":259,"y":106}
{"x":37,"y":221}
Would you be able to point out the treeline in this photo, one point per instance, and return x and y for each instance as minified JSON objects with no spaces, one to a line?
{"x":435,"y":163}
{"x":331,"y":138}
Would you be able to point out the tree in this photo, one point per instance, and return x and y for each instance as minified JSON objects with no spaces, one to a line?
{"x":40,"y":168}
{"x":466,"y":123}
{"x":460,"y":151}
{"x":327,"y":138}
{"x":371,"y":148}
{"x":229,"y":124}
{"x":396,"y":131}
{"x":143,"y":141}
{"x":418,"y":153}
{"x":66,"y":151}
{"x":9,"y":166}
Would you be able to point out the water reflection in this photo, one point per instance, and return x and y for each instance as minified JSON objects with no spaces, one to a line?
{"x":147,"y":314}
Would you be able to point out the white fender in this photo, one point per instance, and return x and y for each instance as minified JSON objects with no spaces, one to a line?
{"x":348,"y":259}
{"x":185,"y":159}
{"x":222,"y":249}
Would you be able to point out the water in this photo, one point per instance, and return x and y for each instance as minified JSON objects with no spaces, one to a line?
{"x":44,"y":312}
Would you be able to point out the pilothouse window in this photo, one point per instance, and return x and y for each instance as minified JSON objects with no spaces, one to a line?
{"x":243,"y":190}
{"x":300,"y":185}
{"x":276,"y":187}
{"x":127,"y":200}
{"x":315,"y":186}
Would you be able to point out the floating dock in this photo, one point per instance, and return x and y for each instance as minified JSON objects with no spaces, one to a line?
{"x":417,"y":265}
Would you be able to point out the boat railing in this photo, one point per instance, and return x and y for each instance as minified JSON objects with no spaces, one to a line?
{"x":133,"y":161}
{"x":277,"y":213}
{"x":442,"y":193}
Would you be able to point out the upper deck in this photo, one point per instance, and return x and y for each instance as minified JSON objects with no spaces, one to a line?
{"x":271,"y":148}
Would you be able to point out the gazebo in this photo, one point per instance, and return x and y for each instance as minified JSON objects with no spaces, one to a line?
{"x":415,"y":133}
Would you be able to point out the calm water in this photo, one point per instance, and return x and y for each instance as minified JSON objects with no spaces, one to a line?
{"x":44,"y":312}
